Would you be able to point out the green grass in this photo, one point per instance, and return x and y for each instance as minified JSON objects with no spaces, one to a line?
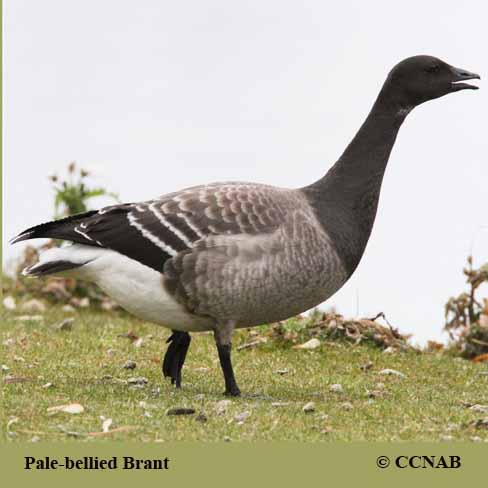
{"x":85,"y":366}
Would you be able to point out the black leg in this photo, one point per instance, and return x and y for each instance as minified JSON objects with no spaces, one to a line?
{"x":231,"y":388}
{"x":173,"y":361}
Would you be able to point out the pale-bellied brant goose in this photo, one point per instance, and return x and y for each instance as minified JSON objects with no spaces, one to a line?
{"x":226,"y":255}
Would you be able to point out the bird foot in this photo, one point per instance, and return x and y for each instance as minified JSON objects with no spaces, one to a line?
{"x":233,"y":392}
{"x":173,"y":361}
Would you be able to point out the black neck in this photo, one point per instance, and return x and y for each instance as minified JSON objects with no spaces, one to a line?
{"x":346,"y":198}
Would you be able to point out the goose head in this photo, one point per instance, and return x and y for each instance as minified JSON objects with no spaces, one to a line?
{"x":417,"y":79}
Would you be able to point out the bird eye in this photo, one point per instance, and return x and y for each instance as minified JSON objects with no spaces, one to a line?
{"x":433,"y":69}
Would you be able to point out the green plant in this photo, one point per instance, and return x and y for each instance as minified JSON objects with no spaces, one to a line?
{"x":72,"y":193}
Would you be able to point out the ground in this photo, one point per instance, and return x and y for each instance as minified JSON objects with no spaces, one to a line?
{"x":44,"y":366}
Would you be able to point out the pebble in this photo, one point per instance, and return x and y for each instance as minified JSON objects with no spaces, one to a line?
{"x":347,"y":406}
{"x":375,"y":393}
{"x":129,"y":364}
{"x":9,"y":303}
{"x":479,"y":408}
{"x":282,"y":371}
{"x":201,"y":417}
{"x":66,"y":324}
{"x":309,"y":407}
{"x":68,"y":308}
{"x":180,"y":411}
{"x":280,"y":404}
{"x":137,"y":380}
{"x":311,"y":344}
{"x":221,"y":407}
{"x":241,"y":417}
{"x":5,"y":367}
{"x":34,"y":306}
{"x":47,"y":385}
{"x":36,"y":438}
{"x":392,"y":372}
{"x":336,"y":388}
{"x":366,"y":366}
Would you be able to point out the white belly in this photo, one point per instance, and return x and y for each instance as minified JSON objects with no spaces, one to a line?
{"x":135,"y":287}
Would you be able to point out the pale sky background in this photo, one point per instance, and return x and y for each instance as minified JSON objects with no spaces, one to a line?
{"x":155,"y":95}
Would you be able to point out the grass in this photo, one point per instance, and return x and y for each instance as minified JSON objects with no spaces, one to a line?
{"x":85,"y":365}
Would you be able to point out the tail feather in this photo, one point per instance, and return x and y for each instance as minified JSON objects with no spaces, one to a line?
{"x":61,"y":259}
{"x":50,"y":267}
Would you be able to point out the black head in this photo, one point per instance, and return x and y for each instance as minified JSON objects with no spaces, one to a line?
{"x":418,"y":79}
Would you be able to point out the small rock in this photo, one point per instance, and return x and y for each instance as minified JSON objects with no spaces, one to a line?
{"x":280,"y":404}
{"x":137,"y":380}
{"x":9,"y":303}
{"x":375,"y":393}
{"x":311,"y":344}
{"x":347,"y":406}
{"x":73,"y":408}
{"x":480,"y":423}
{"x":476,"y":439}
{"x":106,"y":423}
{"x":389,"y":350}
{"x":366,"y":366}
{"x":326,"y":430}
{"x":200,"y":397}
{"x":180,"y":411}
{"x":309,"y":407}
{"x":66,"y":324}
{"x":84,"y":302}
{"x":222,"y":406}
{"x":68,"y":308}
{"x":8,"y":342}
{"x":36,"y":438}
{"x":5,"y":368}
{"x":47,"y":385}
{"x":201,"y":417}
{"x":138,"y":342}
{"x":282,"y":371}
{"x":241,"y":417}
{"x":34,"y":306}
{"x":129,"y":364}
{"x":336,"y":388}
{"x":227,"y":439}
{"x":479,"y":408}
{"x":380,"y":386}
{"x":392,"y":372}
{"x":143,"y":404}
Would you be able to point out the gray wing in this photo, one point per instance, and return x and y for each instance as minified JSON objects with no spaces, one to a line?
{"x":250,"y":259}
